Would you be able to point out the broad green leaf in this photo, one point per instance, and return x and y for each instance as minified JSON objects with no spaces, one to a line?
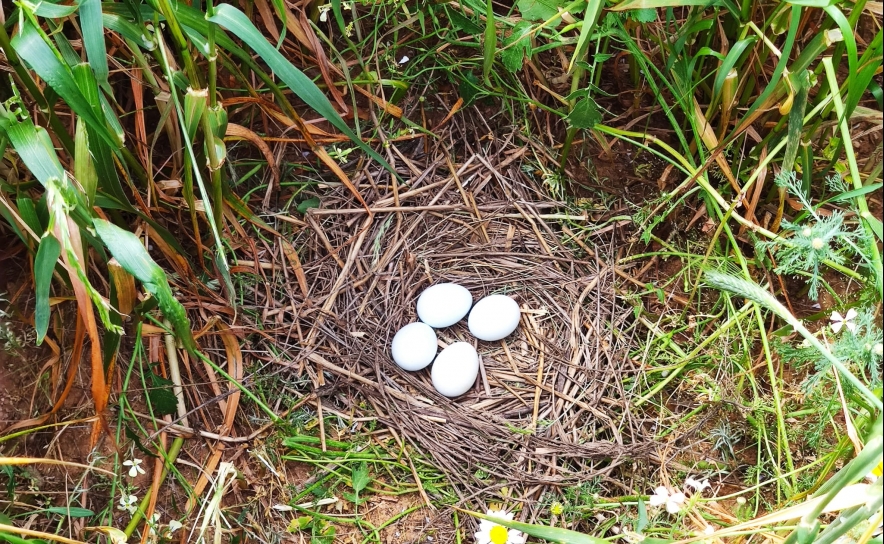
{"x":162,"y":398}
{"x":128,"y":250}
{"x":469,"y":88}
{"x":643,"y":15}
{"x":307,"y":204}
{"x":461,"y":22}
{"x":642,"y":520}
{"x":92,"y":28}
{"x":72,"y":511}
{"x":35,"y":149}
{"x":102,"y":154}
{"x":12,"y":539}
{"x":234,"y":20}
{"x":127,"y":29}
{"x":27,"y":210}
{"x":585,"y":114}
{"x":553,"y":534}
{"x":516,"y":47}
{"x":539,"y":10}
{"x":359,"y":477}
{"x":29,"y":44}
{"x":52,"y":10}
{"x":44,"y":265}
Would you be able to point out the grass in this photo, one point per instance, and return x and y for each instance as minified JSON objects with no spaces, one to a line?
{"x":767,"y":201}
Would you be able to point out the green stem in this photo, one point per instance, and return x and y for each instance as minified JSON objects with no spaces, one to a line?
{"x":861,"y":203}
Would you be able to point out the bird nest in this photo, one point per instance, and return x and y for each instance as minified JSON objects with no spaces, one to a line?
{"x":549,"y":407}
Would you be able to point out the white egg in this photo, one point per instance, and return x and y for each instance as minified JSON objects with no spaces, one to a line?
{"x":455,"y":369}
{"x":494,"y":317}
{"x":444,"y":304}
{"x":414,"y":346}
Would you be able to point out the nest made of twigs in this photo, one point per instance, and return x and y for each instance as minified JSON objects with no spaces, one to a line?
{"x":548,"y":407}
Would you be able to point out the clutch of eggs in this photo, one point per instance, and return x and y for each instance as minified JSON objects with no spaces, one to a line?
{"x":455,"y":369}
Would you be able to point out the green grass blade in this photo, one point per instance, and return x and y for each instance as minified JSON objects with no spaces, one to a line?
{"x":35,"y":149}
{"x":730,"y":61}
{"x":849,"y":42}
{"x":44,"y":266}
{"x":126,"y":29}
{"x":236,"y":22}
{"x":490,"y":43}
{"x":51,"y":10}
{"x":553,"y":534}
{"x":801,"y":83}
{"x":84,"y":168}
{"x":130,"y":253}
{"x":31,"y":47}
{"x":92,"y":28}
{"x":590,"y":19}
{"x":868,"y":66}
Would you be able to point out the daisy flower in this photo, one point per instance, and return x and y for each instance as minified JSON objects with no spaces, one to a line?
{"x":134,"y":467}
{"x":839,"y":321}
{"x":492,"y":533}
{"x":673,"y":501}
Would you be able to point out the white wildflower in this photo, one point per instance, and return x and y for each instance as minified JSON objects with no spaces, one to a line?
{"x":697,"y":485}
{"x":673,"y":501}
{"x":134,"y":467}
{"x":323,"y":12}
{"x":839,"y":321}
{"x":129,"y":503}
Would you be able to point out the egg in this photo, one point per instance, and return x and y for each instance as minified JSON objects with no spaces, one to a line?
{"x":455,"y":369}
{"x":414,"y":346}
{"x":444,"y":304}
{"x":494,"y":317}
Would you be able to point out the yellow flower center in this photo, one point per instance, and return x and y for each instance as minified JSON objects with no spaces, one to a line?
{"x":499,"y":534}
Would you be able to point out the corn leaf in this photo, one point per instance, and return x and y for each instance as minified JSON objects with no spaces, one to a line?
{"x":127,"y":29}
{"x":92,"y":28}
{"x":35,"y":149}
{"x":236,"y":22}
{"x":29,"y":44}
{"x":44,"y":265}
{"x":51,"y":10}
{"x":130,"y":253}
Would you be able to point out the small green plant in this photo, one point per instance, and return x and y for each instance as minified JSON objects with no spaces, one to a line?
{"x":816,"y":239}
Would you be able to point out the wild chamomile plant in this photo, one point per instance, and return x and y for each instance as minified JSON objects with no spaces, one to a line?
{"x":814,"y":239}
{"x":854,"y":339}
